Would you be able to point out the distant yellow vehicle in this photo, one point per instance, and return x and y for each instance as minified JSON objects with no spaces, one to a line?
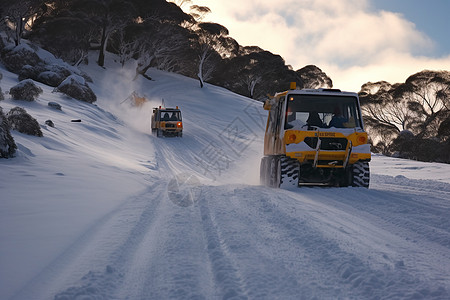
{"x":315,"y":137}
{"x":167,"y":122}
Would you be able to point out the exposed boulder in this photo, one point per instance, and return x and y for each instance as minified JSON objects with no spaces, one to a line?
{"x":55,"y":105}
{"x":20,"y":120}
{"x":7,"y":145}
{"x":76,"y":87}
{"x":25,"y":90}
{"x":50,"y":123}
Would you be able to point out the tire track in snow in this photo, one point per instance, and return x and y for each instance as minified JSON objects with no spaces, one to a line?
{"x":270,"y":261}
{"x":346,"y":229}
{"x":113,"y":243}
{"x":170,"y":262}
{"x":418,"y":227}
{"x":227,"y":280}
{"x":282,"y":243}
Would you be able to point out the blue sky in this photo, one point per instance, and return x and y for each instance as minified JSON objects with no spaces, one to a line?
{"x":353,"y":41}
{"x":431,"y":17}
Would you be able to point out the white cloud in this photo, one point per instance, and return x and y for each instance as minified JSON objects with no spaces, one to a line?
{"x":347,"y":40}
{"x":392,"y":67}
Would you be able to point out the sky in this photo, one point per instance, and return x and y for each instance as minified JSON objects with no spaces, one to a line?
{"x":352,"y":41}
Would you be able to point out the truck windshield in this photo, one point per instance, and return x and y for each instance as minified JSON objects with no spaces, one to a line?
{"x":168,"y":115}
{"x":322,"y":111}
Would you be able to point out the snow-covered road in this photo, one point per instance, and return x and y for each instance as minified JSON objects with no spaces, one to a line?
{"x":112,"y":212}
{"x":239,"y":241}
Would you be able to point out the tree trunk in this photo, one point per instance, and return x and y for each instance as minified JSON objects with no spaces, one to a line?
{"x":142,"y":71}
{"x":201,"y":81}
{"x":101,"y":56}
{"x":19,"y":30}
{"x":200,"y":68}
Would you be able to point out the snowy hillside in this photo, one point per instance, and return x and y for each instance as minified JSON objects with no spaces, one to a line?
{"x":102,"y":209}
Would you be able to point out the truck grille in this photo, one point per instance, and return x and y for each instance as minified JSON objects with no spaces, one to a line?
{"x":327,"y":143}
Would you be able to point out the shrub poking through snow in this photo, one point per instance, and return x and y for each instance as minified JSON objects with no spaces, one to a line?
{"x":32,"y":62}
{"x":14,"y":58}
{"x":7,"y":145}
{"x":25,"y":90}
{"x":51,"y":75}
{"x":20,"y":120}
{"x":75,"y":86}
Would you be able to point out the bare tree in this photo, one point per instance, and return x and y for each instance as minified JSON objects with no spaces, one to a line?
{"x":428,"y":95}
{"x":419,"y":106}
{"x":210,"y":43}
{"x":125,"y":48}
{"x":161,"y":44}
{"x":19,"y":14}
{"x":251,"y":80}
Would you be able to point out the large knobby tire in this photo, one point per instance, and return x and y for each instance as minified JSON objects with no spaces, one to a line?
{"x":263,"y":171}
{"x":361,"y":174}
{"x":290,"y":172}
{"x":347,"y":177}
{"x":274,"y":171}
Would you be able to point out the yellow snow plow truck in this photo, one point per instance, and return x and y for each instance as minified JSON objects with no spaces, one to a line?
{"x":315,"y":137}
{"x":167,"y":122}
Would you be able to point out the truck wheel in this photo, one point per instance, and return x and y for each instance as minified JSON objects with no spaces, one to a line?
{"x":361,"y":174}
{"x":262,"y":172}
{"x":347,"y":177}
{"x":290,"y":172}
{"x":274,"y":174}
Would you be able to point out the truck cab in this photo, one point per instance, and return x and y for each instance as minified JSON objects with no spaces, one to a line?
{"x":167,"y":122}
{"x":315,"y":137}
